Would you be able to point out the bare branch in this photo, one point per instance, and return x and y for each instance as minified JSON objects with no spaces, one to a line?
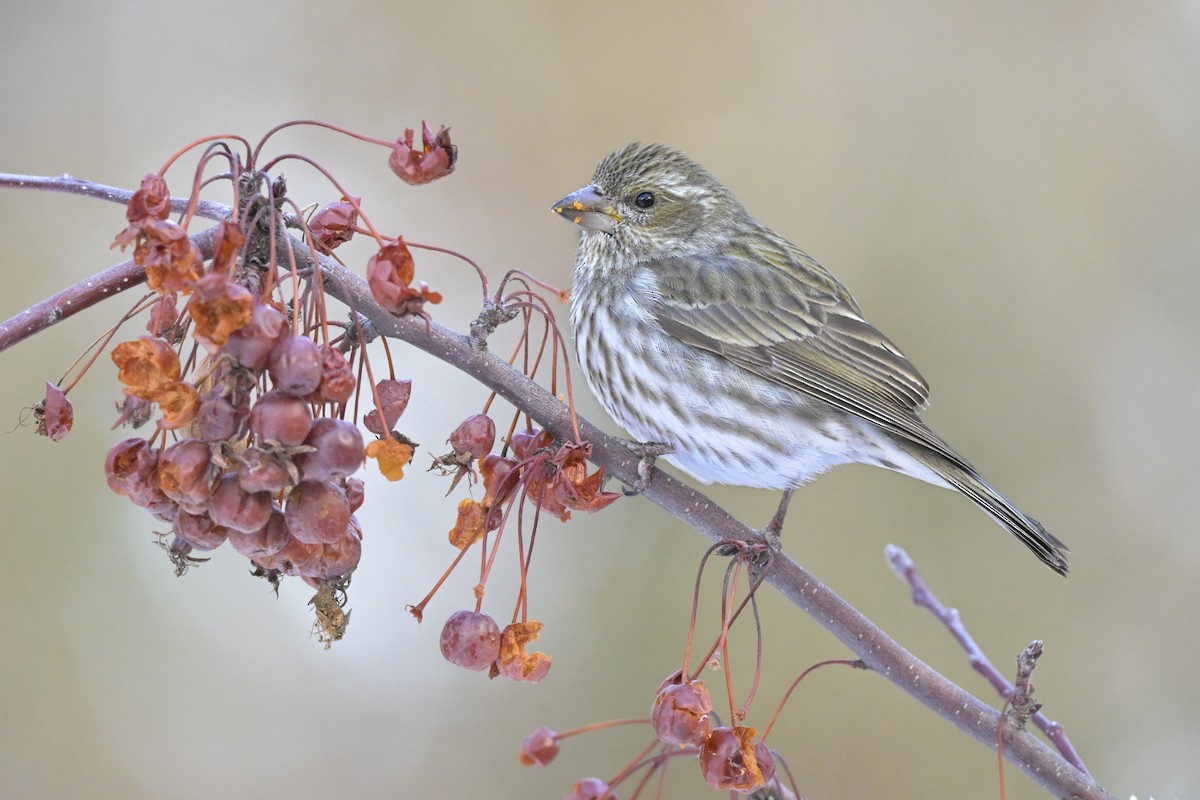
{"x":904,"y":567}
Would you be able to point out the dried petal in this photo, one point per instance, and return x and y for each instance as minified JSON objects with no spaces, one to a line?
{"x":226,"y":246}
{"x":163,"y":316}
{"x":56,"y":415}
{"x":469,"y":527}
{"x":393,"y":399}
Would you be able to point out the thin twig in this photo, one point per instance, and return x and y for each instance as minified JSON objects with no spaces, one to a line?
{"x":904,"y":567}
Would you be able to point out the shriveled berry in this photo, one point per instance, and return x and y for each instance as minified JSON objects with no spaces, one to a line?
{"x":234,"y":507}
{"x":296,"y":365}
{"x":266,"y":541}
{"x":337,"y":558}
{"x":317,"y":512}
{"x":186,"y":474}
{"x":591,"y":789}
{"x":280,"y":417}
{"x":263,"y":471}
{"x":337,"y":376}
{"x":475,"y":435}
{"x":539,"y":748}
{"x":130,"y":466}
{"x":199,"y":531}
{"x":291,"y":559}
{"x":338,"y":450}
{"x":731,"y":759}
{"x":220,"y":419}
{"x":471,"y":640}
{"x":251,"y":344}
{"x":681,"y":712}
{"x":355,"y":491}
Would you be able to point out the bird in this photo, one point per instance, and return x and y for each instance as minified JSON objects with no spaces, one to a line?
{"x":698,"y":327}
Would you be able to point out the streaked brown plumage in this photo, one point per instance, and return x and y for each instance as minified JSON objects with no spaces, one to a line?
{"x":697,"y":326}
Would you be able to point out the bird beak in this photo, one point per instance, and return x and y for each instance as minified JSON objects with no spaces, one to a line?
{"x":589,"y":209}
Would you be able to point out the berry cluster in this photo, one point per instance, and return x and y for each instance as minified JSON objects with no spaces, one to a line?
{"x":252,"y":383}
{"x":267,"y":469}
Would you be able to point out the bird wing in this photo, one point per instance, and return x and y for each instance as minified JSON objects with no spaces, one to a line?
{"x":779,"y":314}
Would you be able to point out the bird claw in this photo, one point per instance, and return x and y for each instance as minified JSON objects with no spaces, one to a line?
{"x":647,"y":453}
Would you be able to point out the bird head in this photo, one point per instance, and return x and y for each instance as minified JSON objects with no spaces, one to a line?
{"x":653,"y":202}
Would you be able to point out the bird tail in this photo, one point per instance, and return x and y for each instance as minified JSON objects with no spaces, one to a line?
{"x":963,"y":477}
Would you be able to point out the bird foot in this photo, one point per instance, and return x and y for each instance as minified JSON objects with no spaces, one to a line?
{"x":647,"y":453}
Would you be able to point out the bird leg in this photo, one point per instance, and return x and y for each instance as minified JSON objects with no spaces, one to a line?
{"x":647,"y":453}
{"x":775,"y":526}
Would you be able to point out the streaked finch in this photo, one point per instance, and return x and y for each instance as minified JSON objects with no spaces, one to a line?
{"x":698,"y":327}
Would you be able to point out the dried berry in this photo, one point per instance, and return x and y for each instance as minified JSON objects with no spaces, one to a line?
{"x":251,"y":344}
{"x":235,"y":508}
{"x":475,"y":435}
{"x":539,"y":748}
{"x":295,"y":365}
{"x":470,"y":639}
{"x":130,"y":467}
{"x":199,"y":531}
{"x":317,"y":512}
{"x":280,"y":417}
{"x":337,"y":450}
{"x":730,"y":759}
{"x":681,"y":712}
{"x":186,"y":475}
{"x":266,"y":541}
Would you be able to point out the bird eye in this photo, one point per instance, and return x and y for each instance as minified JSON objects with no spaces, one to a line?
{"x":644,"y":200}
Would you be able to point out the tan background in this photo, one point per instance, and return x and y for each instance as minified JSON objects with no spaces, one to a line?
{"x":1010,"y":189}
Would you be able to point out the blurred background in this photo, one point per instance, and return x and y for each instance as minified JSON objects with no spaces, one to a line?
{"x":1011,"y":190}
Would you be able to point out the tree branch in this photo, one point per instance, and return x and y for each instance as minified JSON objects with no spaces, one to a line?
{"x":879,"y":651}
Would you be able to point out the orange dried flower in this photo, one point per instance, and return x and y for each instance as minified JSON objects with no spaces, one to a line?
{"x":469,"y":527}
{"x":219,"y":307}
{"x":179,"y":402}
{"x":226,"y":246}
{"x":146,"y":366}
{"x":172,"y":262}
{"x":515,"y":662}
{"x":393,"y":456}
